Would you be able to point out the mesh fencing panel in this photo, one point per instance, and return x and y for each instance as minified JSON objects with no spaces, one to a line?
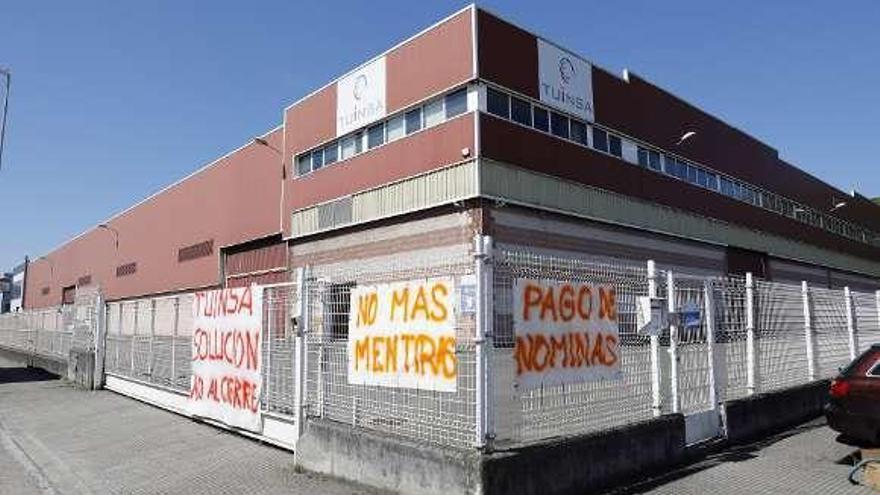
{"x":731,"y":337}
{"x":432,"y":416}
{"x":831,"y":334}
{"x":526,"y":416}
{"x":867,"y":309}
{"x":694,"y":367}
{"x":780,"y":338}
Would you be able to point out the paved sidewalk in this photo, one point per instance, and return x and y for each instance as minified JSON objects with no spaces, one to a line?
{"x":800,"y":461}
{"x":55,"y":439}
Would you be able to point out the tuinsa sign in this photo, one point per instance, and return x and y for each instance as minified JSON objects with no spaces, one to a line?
{"x":360,"y":97}
{"x":565,"y":81}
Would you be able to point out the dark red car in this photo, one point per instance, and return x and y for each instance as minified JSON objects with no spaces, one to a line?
{"x":854,"y":406}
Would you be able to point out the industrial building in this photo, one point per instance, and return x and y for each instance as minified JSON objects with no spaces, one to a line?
{"x":476,"y":125}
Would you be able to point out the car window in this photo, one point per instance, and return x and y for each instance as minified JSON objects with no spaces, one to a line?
{"x":874,"y":370}
{"x":861,"y":364}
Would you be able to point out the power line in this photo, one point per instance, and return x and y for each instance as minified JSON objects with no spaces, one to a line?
{"x":8,"y":77}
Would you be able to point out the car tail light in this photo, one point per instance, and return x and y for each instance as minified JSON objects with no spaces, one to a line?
{"x":839,"y":389}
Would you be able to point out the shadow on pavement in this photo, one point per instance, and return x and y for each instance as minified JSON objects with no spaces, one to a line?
{"x":24,"y":374}
{"x":732,"y":453}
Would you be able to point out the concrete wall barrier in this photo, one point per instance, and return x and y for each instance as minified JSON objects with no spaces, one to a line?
{"x":590,"y":462}
{"x":753,"y":417}
{"x":572,"y":465}
{"x":56,"y":366}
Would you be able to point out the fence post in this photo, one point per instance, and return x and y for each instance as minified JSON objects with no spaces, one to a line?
{"x":709,"y":303}
{"x":301,"y":314}
{"x":655,"y":345}
{"x":100,"y":341}
{"x":152,"y":337}
{"x":483,"y":346}
{"x":808,"y":331}
{"x":174,"y":341}
{"x":851,"y":324}
{"x":751,"y":361}
{"x":673,"y":342}
{"x":134,"y":332}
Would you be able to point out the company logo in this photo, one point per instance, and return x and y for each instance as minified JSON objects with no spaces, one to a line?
{"x":360,"y":86}
{"x":566,"y":70}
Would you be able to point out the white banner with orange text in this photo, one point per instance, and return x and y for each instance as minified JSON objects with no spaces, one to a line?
{"x":566,"y":332}
{"x":226,"y":360}
{"x":402,"y":335}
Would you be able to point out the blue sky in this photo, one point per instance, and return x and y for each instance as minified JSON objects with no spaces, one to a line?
{"x":113,"y":100}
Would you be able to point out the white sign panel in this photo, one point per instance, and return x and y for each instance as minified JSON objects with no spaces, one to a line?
{"x":360,"y":97}
{"x":227,"y":363}
{"x":402,"y":335}
{"x":565,"y":81}
{"x":565,"y":333}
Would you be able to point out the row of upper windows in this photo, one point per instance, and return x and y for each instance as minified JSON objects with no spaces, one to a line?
{"x":535,"y":116}
{"x":391,"y":129}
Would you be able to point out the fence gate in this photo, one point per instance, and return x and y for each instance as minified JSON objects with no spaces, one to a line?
{"x":692,"y":356}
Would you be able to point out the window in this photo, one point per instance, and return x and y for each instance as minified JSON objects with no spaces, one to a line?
{"x":559,"y":125}
{"x":395,"y":128}
{"x":579,"y":132}
{"x":304,"y":164}
{"x":347,"y":146}
{"x":375,"y":136}
{"x":649,"y":159}
{"x":875,"y":370}
{"x":413,"y":120}
{"x":615,"y":147}
{"x":456,"y":103}
{"x":434,"y":113}
{"x":542,"y":119}
{"x":600,"y":139}
{"x":521,"y":111}
{"x":692,"y":174}
{"x":497,"y":103}
{"x":317,"y":159}
{"x":331,"y":153}
{"x":712,"y":181}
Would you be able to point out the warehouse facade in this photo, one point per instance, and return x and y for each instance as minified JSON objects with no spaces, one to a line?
{"x":478,"y":126}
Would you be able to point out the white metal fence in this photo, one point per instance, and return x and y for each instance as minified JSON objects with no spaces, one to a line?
{"x":52,"y":332}
{"x":752,"y":336}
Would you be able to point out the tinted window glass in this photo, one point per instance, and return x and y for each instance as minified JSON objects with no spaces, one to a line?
{"x":456,"y":103}
{"x":394,"y":128}
{"x":654,"y":160}
{"x":317,"y":159}
{"x":497,"y":103}
{"x":413,"y":120}
{"x":692,"y":174}
{"x":433,"y":113}
{"x":304,"y":164}
{"x":521,"y":111}
{"x":542,"y":119}
{"x":375,"y":135}
{"x":579,"y":132}
{"x":614,"y":146}
{"x":559,"y":125}
{"x":347,"y":145}
{"x":331,"y":153}
{"x":600,"y":139}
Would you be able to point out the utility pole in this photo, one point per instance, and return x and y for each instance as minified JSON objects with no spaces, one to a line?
{"x":7,"y":76}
